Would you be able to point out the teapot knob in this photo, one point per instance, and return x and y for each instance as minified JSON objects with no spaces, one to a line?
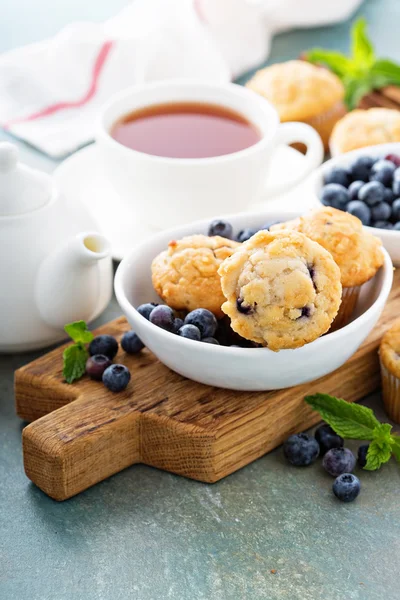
{"x":8,"y":157}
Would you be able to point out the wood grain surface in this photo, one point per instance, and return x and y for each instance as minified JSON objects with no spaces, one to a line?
{"x":83,"y":433}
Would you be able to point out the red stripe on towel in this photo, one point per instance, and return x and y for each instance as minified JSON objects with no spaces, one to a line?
{"x":50,"y":110}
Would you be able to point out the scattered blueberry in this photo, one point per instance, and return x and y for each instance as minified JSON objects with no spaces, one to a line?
{"x":396,"y":182}
{"x":361,"y":210}
{"x":131,"y":342}
{"x":354,"y":188}
{"x":372,"y":193}
{"x":163,"y":316}
{"x":362,"y":455}
{"x":146,"y":309}
{"x":383,"y":225}
{"x":210,"y":340}
{"x":381,"y":212}
{"x":191,"y":332}
{"x":301,"y":449}
{"x":178,"y":323}
{"x":204,"y":320}
{"x":334,"y":194}
{"x":361,"y":168}
{"x":339,"y":460}
{"x":396,"y":210}
{"x":245,"y":235}
{"x":222,"y":228}
{"x":337,"y":175}
{"x":382,"y":171}
{"x":104,"y":344}
{"x":96,"y":365}
{"x":346,"y":487}
{"x":396,"y":226}
{"x":116,"y":378}
{"x":389,"y":196}
{"x":327,"y":439}
{"x":394,"y":158}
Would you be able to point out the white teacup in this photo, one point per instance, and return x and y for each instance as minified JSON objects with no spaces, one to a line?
{"x":165,"y":192}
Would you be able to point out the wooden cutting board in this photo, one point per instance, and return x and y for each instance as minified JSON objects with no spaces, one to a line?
{"x":82,"y":433}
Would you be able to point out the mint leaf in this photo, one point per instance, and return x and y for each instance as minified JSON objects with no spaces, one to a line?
{"x":335,"y":61}
{"x":79,"y":332}
{"x":361,"y":48}
{"x":75,"y":358}
{"x":352,"y":421}
{"x":387,"y":70}
{"x":379,"y":452}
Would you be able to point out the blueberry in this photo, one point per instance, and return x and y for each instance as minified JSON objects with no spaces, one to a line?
{"x":210,"y":340}
{"x":301,"y":449}
{"x":389,"y":196}
{"x":396,"y":226}
{"x":96,"y":365}
{"x":354,"y":188}
{"x":178,"y":323}
{"x":246,"y":234}
{"x":116,"y":377}
{"x":346,"y":487}
{"x":104,"y":344}
{"x":339,"y":460}
{"x":360,"y":168}
{"x":337,"y":175}
{"x":131,"y":342}
{"x":146,"y":309}
{"x":382,"y":171}
{"x":222,"y":228}
{"x":204,"y":320}
{"x":334,"y":194}
{"x":327,"y":439}
{"x":362,"y":455}
{"x":396,"y":182}
{"x":381,"y":212}
{"x":163,"y":316}
{"x":361,"y":210}
{"x":394,"y":158}
{"x":191,"y":332}
{"x":372,"y":193}
{"x":383,"y":225}
{"x":245,"y":309}
{"x":396,"y":210}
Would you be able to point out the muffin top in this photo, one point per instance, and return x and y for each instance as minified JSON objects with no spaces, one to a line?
{"x":357,"y":253}
{"x":186,"y":274}
{"x":282,"y":289}
{"x":298,"y":89}
{"x":361,"y":128}
{"x":389,"y":349}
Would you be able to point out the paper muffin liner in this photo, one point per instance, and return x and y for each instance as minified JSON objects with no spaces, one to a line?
{"x":391,"y":393}
{"x":347,"y":306}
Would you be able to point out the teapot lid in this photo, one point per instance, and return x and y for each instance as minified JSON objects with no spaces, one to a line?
{"x":22,"y":189}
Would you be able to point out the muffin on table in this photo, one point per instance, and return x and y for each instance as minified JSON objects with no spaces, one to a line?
{"x":282,"y":289}
{"x":389,"y":354}
{"x":186,"y":276}
{"x":357,"y":253}
{"x":303,"y":92}
{"x":361,"y":128}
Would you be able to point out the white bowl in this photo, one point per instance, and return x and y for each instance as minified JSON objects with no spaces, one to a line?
{"x":390,"y":239}
{"x":248,"y":369}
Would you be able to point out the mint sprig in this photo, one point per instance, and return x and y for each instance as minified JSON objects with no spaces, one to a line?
{"x":357,"y":422}
{"x":360,"y":72}
{"x":75,"y":356}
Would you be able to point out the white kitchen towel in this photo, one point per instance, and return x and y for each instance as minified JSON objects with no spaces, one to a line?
{"x":51,"y":92}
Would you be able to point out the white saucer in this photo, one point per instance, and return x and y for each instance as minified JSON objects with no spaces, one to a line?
{"x":80,"y":176}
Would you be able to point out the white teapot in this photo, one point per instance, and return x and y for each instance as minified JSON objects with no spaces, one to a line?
{"x":54,"y":269}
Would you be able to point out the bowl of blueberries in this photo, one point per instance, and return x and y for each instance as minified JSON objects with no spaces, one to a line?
{"x":366,"y":184}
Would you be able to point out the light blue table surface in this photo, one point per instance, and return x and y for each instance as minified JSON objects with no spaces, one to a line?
{"x":148,"y":535}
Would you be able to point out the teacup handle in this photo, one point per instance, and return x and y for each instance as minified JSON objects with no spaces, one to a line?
{"x":289,"y":133}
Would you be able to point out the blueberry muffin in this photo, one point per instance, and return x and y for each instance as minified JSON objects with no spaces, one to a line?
{"x":357,"y":253}
{"x":282,"y":289}
{"x":362,"y":128}
{"x":186,"y":276}
{"x":303,"y":92}
{"x":389,"y":353}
